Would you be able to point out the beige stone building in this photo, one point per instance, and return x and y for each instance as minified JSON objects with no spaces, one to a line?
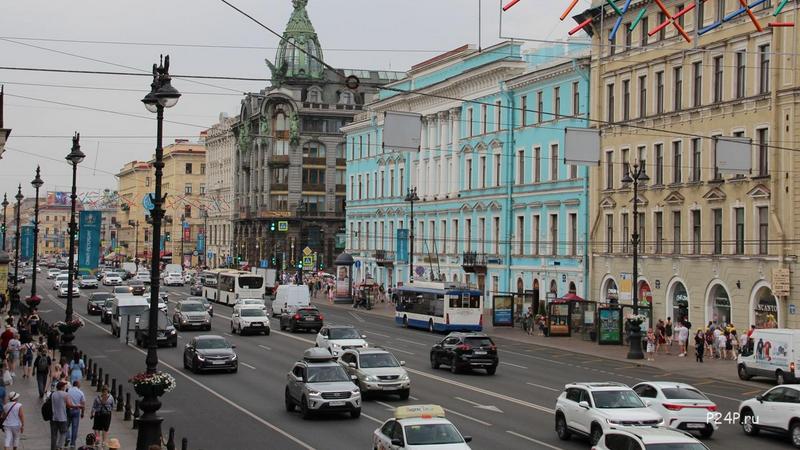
{"x":711,"y":242}
{"x":184,"y":183}
{"x":220,"y":145}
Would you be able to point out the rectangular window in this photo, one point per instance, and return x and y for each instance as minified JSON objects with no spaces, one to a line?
{"x":496,"y":235}
{"x":468,"y":234}
{"x":739,"y":215}
{"x":188,"y":168}
{"x":610,"y":102}
{"x":469,"y":173}
{"x":521,"y":167}
{"x":400,"y":189}
{"x":187,"y":189}
{"x":483,"y":118}
{"x":763,"y":68}
{"x":701,"y":14}
{"x":659,"y":92}
{"x":554,"y":162}
{"x":677,"y":160}
{"x":741,"y":59}
{"x":677,"y":86}
{"x":626,"y":99}
{"x":537,"y":164}
{"x":642,"y":238}
{"x":763,"y":230}
{"x":497,"y":169}
{"x":202,"y":169}
{"x":697,"y":234}
{"x":573,"y":234}
{"x":717,"y":213}
{"x":454,"y":246}
{"x":482,"y":235}
{"x":643,"y":96}
{"x":626,"y":232}
{"x":610,"y":170}
{"x":644,"y":27}
{"x":720,"y":11}
{"x":470,"y":122}
{"x":360,"y":188}
{"x":535,"y":234}
{"x":678,"y":8}
{"x":676,"y":232}
{"x":573,"y":171}
{"x":717,"y":175}
{"x":762,"y":138}
{"x":202,"y":189}
{"x":554,"y":234}
{"x":661,"y":19}
{"x":524,"y":110}
{"x":520,"y":235}
{"x":718,"y":79}
{"x":187,"y":211}
{"x":576,"y":98}
{"x":556,"y":102}
{"x":609,"y":233}
{"x":626,"y":165}
{"x":498,"y":113}
{"x":482,"y":171}
{"x":697,"y":88}
{"x":659,"y":224}
{"x":641,"y":156}
{"x":539,"y":106}
{"x":696,"y":159}
{"x":628,"y":36}
{"x":613,"y":45}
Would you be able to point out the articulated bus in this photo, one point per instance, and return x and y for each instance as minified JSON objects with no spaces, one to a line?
{"x":209,"y":279}
{"x":231,"y":285}
{"x":439,"y":307}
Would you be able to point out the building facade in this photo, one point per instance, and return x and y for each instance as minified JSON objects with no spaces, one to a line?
{"x":497,"y":207}
{"x":134,"y":182}
{"x":289,"y":160}
{"x":712,"y":243}
{"x":220,"y":144}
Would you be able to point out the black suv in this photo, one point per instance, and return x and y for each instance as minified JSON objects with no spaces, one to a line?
{"x":466,"y":351}
{"x":303,"y":318}
{"x":137,"y":287}
{"x":96,"y":301}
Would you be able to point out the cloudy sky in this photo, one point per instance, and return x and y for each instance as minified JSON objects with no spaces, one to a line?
{"x":203,"y":37}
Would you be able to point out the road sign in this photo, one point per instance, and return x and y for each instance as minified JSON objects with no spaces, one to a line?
{"x":147,"y":202}
{"x":307,"y":251}
{"x":283,"y":225}
{"x":308,"y":262}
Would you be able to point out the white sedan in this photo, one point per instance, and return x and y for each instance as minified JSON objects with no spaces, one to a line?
{"x":63,"y":291}
{"x":59,"y":280}
{"x":112,"y":279}
{"x":681,"y":405}
{"x":775,"y":411}
{"x":173,"y":279}
{"x":87,"y":282}
{"x":419,"y":427}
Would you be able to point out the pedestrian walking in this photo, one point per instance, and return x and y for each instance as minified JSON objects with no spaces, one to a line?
{"x":6,"y":337}
{"x":699,"y":345}
{"x":76,"y":367}
{"x":41,"y":367}
{"x":721,"y":344}
{"x":60,"y":403}
{"x":668,"y":328}
{"x":24,"y":329}
{"x":55,"y":375}
{"x":12,"y":421}
{"x":75,"y":413}
{"x":102,"y":407}
{"x":64,"y":368}
{"x":651,"y":344}
{"x":28,"y":350}
{"x":34,"y":321}
{"x":659,"y":334}
{"x":52,"y":341}
{"x":730,"y":341}
{"x":12,"y":355}
{"x":683,"y":339}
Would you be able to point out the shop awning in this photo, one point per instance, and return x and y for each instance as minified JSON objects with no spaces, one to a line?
{"x":571,"y":298}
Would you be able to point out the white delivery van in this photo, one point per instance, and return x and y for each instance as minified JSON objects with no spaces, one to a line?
{"x":290,"y":296}
{"x":773,"y":353}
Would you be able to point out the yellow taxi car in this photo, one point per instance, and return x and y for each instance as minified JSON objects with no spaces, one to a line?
{"x":419,"y":427}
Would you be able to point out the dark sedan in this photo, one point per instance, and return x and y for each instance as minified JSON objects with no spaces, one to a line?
{"x":137,"y":287}
{"x":210,"y":352}
{"x":303,"y":318}
{"x":196,"y":289}
{"x":108,"y":308}
{"x":94,"y":306}
{"x":466,"y":351}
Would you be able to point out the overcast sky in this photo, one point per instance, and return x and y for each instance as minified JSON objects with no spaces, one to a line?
{"x":374,"y":34}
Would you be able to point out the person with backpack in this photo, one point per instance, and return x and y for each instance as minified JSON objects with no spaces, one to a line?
{"x":59,"y":402}
{"x":12,"y":421}
{"x":27,"y":359}
{"x":101,"y":413}
{"x":41,"y":367}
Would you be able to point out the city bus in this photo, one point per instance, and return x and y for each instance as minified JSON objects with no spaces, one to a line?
{"x":437,"y":306}
{"x":209,"y":278}
{"x":233,"y":285}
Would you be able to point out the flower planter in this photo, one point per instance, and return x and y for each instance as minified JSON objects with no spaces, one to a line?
{"x":149,"y":390}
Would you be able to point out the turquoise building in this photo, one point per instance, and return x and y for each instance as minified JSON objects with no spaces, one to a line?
{"x":497,"y":207}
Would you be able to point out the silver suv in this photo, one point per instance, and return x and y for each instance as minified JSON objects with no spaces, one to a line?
{"x":318,"y":384}
{"x":376,"y":371}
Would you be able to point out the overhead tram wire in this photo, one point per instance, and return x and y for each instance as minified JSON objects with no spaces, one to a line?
{"x":131,"y":74}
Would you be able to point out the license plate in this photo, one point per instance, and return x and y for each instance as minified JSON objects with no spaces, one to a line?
{"x":217,"y":362}
{"x":336,"y":403}
{"x":695,"y":425}
{"x":309,"y":318}
{"x":480,"y":352}
{"x":161,"y":338}
{"x":390,"y":386}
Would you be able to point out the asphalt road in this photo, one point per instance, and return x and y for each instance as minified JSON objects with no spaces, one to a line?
{"x":512,"y":409}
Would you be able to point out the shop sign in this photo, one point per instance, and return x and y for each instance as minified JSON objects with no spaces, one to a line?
{"x":625,"y":287}
{"x":780,"y":282}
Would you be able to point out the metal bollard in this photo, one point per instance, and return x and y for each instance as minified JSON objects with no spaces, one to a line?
{"x":113,"y":386}
{"x":105,"y":382}
{"x":184,"y":444}
{"x":119,"y":399}
{"x":100,"y":379}
{"x":136,"y":414}
{"x":171,"y":439}
{"x":89,"y":369}
{"x":94,"y":374}
{"x":128,"y":412}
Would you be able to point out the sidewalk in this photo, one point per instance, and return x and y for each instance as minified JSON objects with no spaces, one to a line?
{"x":37,"y":431}
{"x":710,"y":369}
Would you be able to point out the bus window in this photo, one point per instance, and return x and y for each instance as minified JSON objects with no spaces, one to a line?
{"x":475,"y":301}
{"x":226,"y":283}
{"x":251,"y":282}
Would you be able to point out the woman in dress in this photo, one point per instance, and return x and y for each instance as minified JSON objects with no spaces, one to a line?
{"x":651,"y":344}
{"x":101,"y":413}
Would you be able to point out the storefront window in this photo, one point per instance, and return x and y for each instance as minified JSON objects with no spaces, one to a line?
{"x":680,"y":303}
{"x":766,"y":309}
{"x":611,"y":292}
{"x":720,"y":305}
{"x":645,"y":294}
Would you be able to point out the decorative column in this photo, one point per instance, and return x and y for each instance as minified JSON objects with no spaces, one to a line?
{"x":455,"y":124}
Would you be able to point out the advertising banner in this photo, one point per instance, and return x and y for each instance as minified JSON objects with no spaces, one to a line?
{"x":201,"y":243}
{"x":58,"y":198}
{"x":626,"y":287}
{"x":26,"y":242}
{"x":503,"y":311}
{"x":89,"y":239}
{"x":610,"y":326}
{"x":343,"y":282}
{"x":187,"y":232}
{"x":402,"y":245}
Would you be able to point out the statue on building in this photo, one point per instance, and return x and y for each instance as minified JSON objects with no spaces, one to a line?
{"x":294,"y":129}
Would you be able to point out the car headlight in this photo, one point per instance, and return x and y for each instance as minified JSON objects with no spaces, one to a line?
{"x":335,"y":345}
{"x":200,"y":358}
{"x":313,"y":393}
{"x":356,"y":391}
{"x":233,"y":358}
{"x":172,"y":331}
{"x":404,"y":377}
{"x":370,"y":378}
{"x":613,"y":422}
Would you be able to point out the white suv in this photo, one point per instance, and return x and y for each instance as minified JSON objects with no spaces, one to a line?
{"x":777,"y":410}
{"x":644,"y":438}
{"x":589,"y":409}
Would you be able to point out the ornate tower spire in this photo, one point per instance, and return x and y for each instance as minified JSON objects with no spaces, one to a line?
{"x":291,"y":61}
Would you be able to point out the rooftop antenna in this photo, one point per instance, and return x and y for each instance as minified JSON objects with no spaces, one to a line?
{"x":480,"y":9}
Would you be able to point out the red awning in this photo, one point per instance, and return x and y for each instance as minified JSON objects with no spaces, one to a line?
{"x":571,"y":298}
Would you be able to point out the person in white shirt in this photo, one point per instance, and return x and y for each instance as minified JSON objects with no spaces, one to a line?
{"x":13,"y":421}
{"x":683,"y":338}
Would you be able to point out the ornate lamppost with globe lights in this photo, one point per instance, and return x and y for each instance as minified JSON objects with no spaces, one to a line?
{"x":636,"y":175}
{"x":14,"y":291}
{"x":35,"y":299}
{"x":69,"y":327}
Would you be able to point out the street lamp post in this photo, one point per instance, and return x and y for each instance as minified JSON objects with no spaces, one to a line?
{"x":74,"y":157}
{"x":5,"y":206}
{"x":162,"y":95}
{"x":183,"y":226}
{"x":635,"y":176}
{"x":14,"y":308}
{"x":411,"y":197}
{"x":204,"y":212}
{"x":302,"y":207}
{"x":34,"y":299}
{"x":135,"y":225}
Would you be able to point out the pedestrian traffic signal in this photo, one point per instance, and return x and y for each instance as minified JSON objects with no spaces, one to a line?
{"x":272,"y":227}
{"x":300,"y":265}
{"x":168,"y":236}
{"x":274,"y":261}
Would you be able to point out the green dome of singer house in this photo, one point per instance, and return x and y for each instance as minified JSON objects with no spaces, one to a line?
{"x":300,"y":54}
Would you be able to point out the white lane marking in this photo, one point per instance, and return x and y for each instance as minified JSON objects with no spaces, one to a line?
{"x":264,"y":347}
{"x":543,"y":387}
{"x":512,"y":365}
{"x":357,"y":317}
{"x":536,"y":441}
{"x":209,"y":390}
{"x":378,"y":421}
{"x":388,"y":406}
{"x":282,"y":333}
{"x":228,"y":334}
{"x":397,"y":350}
{"x":381,"y":335}
{"x":247,"y":365}
{"x":482,"y":391}
{"x":413,"y":398}
{"x":535,"y":357}
{"x":411,"y":342}
{"x":722,"y":396}
{"x":480,"y":406}
{"x":468,"y":417}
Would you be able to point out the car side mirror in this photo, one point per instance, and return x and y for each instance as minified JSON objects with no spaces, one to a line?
{"x":297,"y":379}
{"x":467,"y":439}
{"x":584,"y":404}
{"x":397,"y":442}
{"x":402,"y":363}
{"x":363,"y":336}
{"x":233,"y":346}
{"x":760,"y":398}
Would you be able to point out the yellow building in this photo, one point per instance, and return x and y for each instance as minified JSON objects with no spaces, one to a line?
{"x":53,"y":229}
{"x":183,"y":183}
{"x":711,"y":242}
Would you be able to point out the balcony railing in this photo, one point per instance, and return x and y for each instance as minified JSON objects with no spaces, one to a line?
{"x":473,"y":262}
{"x":384,"y":258}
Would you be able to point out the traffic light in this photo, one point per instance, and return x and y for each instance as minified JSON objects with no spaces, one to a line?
{"x":272,"y":227}
{"x":300,"y":264}
{"x":274,"y":261}
{"x":168,"y":236}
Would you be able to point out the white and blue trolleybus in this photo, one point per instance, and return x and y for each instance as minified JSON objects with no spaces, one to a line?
{"x":437,"y":306}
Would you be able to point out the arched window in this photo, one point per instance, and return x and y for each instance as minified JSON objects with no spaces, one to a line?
{"x":314,"y":95}
{"x":281,"y":122}
{"x":346,"y":98}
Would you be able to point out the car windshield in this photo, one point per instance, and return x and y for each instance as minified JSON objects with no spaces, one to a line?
{"x":252,"y":312}
{"x":344,"y":333}
{"x":62,"y":278}
{"x":678,"y":393}
{"x":211,"y":344}
{"x":617,"y":399}
{"x":109,"y":303}
{"x":101,"y":297}
{"x":478,"y":342}
{"x":677,"y":446}
{"x":193,"y":307}
{"x":327,"y":374}
{"x":432,"y":434}
{"x":375,"y":360}
{"x":308,"y":311}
